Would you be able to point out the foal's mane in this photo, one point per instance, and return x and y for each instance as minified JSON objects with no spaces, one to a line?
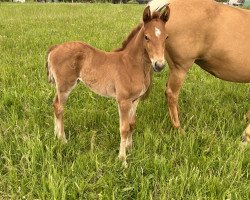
{"x":155,"y":15}
{"x":129,"y":38}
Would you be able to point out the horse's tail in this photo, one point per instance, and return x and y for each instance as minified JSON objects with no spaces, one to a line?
{"x":47,"y":65}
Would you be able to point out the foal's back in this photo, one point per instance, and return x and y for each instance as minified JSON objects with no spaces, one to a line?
{"x":73,"y":56}
{"x":74,"y":61}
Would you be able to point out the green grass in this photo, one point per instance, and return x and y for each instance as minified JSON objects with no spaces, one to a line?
{"x":208,"y":162}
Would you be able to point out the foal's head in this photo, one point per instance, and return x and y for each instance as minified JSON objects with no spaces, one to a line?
{"x":155,"y":36}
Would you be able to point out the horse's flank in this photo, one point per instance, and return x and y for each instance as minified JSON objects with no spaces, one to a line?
{"x":217,"y":34}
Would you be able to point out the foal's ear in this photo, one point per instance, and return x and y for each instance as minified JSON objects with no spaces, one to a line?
{"x":146,"y":14}
{"x":165,"y":14}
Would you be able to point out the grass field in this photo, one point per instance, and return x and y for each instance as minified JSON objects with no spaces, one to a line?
{"x":208,"y":162}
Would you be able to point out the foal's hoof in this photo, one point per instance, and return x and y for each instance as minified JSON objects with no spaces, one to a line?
{"x":123,"y":159}
{"x":245,"y":137}
{"x":181,"y":131}
{"x":247,"y":116}
{"x":246,"y":134}
{"x":125,"y":164}
{"x":63,"y":140}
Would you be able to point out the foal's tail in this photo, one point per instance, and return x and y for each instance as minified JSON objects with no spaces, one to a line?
{"x":47,"y":65}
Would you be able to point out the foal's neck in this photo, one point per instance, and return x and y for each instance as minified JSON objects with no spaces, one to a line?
{"x":135,"y":49}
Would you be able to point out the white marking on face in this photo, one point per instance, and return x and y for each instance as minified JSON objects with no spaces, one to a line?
{"x":157,"y":32}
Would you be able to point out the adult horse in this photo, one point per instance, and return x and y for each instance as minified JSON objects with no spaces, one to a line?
{"x":214,"y":36}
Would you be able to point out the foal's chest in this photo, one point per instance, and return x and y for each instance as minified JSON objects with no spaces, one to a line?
{"x":144,"y":90}
{"x":145,"y":84}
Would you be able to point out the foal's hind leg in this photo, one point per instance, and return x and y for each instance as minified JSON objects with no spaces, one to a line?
{"x":63,"y":91}
{"x":132,"y":118}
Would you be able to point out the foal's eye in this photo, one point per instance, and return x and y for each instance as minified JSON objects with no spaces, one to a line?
{"x":146,"y":37}
{"x":167,"y":37}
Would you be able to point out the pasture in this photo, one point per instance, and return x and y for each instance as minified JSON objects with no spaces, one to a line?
{"x":207,"y":162}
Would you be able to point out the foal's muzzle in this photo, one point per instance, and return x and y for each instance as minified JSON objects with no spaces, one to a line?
{"x":158,"y":65}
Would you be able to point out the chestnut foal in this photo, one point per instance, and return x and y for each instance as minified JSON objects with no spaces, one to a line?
{"x":124,"y":74}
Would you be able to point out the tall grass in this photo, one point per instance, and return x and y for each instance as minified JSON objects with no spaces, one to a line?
{"x":207,"y":162}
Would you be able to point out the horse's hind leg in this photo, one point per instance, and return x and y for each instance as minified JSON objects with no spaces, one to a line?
{"x":63,"y":91}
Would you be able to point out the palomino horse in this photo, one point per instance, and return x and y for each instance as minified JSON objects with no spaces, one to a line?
{"x":124,"y":74}
{"x":210,"y":34}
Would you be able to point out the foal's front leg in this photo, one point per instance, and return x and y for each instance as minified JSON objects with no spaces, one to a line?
{"x":124,"y":111}
{"x":132,"y":118}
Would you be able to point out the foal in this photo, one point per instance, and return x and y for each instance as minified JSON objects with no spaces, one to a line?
{"x":124,"y":74}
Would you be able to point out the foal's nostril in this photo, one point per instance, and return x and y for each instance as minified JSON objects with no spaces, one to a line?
{"x":159,"y":65}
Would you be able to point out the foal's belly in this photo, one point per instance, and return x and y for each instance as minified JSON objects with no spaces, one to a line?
{"x":100,"y":87}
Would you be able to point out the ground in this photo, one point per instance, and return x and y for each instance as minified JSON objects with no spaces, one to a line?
{"x":207,"y":162}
